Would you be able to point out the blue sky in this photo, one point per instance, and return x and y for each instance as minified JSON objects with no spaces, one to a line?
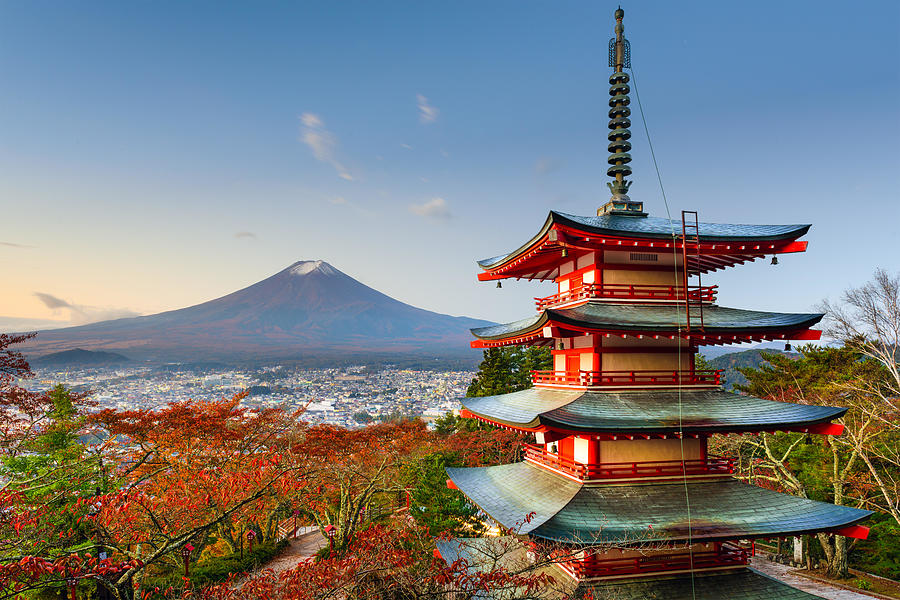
{"x":155,"y":155}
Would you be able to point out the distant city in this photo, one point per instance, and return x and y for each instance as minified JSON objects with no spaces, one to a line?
{"x":350,"y":396}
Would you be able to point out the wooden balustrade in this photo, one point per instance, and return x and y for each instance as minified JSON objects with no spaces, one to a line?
{"x":627,"y":378}
{"x":629,"y":292}
{"x":591,"y":566}
{"x":711,"y":465}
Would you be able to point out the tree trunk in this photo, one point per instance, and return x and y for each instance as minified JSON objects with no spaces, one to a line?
{"x":838,"y":567}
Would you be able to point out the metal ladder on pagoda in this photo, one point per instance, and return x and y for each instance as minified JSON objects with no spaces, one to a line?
{"x":690,"y":239}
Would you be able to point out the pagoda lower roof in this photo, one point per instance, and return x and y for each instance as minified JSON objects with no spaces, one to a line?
{"x":731,"y":243}
{"x":484,"y":554}
{"x":645,"y":411}
{"x":531,"y":500}
{"x":607,"y":317}
{"x":740,"y":584}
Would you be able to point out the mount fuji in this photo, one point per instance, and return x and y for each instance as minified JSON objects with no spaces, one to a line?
{"x":306,"y":312}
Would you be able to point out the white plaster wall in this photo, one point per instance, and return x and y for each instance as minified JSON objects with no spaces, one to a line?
{"x":642,"y":277}
{"x":583,"y":341}
{"x":559,"y":362}
{"x":650,"y":450}
{"x":587,"y":361}
{"x":610,"y":361}
{"x":586,"y":260}
{"x":581,"y":451}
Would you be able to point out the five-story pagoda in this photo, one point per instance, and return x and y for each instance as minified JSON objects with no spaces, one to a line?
{"x":621,"y":422}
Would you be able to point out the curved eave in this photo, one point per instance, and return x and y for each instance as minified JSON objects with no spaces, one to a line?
{"x":563,"y":511}
{"x":498,"y":261}
{"x":648,"y":412}
{"x":487,"y":554}
{"x":609,"y":318}
{"x":726,"y":244}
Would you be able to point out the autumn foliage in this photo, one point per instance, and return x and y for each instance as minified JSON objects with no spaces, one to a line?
{"x":116,"y":499}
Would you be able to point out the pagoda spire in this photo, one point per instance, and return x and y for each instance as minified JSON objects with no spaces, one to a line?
{"x":619,"y":123}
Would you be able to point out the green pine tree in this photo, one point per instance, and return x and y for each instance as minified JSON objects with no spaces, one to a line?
{"x":506,"y":370}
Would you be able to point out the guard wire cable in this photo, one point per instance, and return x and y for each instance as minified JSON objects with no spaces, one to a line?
{"x":662,"y":189}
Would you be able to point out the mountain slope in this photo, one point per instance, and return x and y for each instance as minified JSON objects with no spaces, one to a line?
{"x":748,"y":358}
{"x":79,"y":357}
{"x":308,"y":308}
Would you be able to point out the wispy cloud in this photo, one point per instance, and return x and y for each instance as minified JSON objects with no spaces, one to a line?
{"x":427,"y":112}
{"x":339,"y":200}
{"x":322,"y":142}
{"x":80,"y":314}
{"x":51,"y":301}
{"x":245,"y":235}
{"x":545,"y":165}
{"x":406,"y":146}
{"x":14,"y":245}
{"x":436,"y":208}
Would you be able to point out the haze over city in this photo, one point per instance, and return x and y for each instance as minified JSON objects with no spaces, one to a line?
{"x":155,"y":156}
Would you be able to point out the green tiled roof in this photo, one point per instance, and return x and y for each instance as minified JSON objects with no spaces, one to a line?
{"x":656,"y":228}
{"x":653,"y":319}
{"x":510,"y":493}
{"x":565,"y":511}
{"x":646,"y":411}
{"x":522,"y":409}
{"x":742,"y":584}
{"x":484,"y":554}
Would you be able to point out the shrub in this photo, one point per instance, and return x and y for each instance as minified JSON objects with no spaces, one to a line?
{"x":863,"y":584}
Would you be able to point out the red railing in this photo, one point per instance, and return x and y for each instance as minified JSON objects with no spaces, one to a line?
{"x":635,"y":378}
{"x":726,"y":555}
{"x":711,"y":465}
{"x":624,"y":291}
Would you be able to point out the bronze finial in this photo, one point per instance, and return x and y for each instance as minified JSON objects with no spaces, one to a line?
{"x":619,"y":123}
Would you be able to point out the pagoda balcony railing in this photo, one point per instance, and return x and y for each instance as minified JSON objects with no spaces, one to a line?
{"x":710,"y":377}
{"x":711,"y":465}
{"x":727,"y":555}
{"x":624,"y":291}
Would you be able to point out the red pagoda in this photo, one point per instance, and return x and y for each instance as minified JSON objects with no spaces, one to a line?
{"x":618,"y":473}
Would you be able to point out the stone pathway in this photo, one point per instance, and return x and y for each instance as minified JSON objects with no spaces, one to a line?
{"x":300,"y":549}
{"x":782,"y":573}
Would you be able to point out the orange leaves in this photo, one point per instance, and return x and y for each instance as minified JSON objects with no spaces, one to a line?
{"x":393,"y":560}
{"x":481,"y":448}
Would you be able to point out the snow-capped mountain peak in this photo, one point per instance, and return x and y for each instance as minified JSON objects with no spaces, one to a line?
{"x":305,"y":267}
